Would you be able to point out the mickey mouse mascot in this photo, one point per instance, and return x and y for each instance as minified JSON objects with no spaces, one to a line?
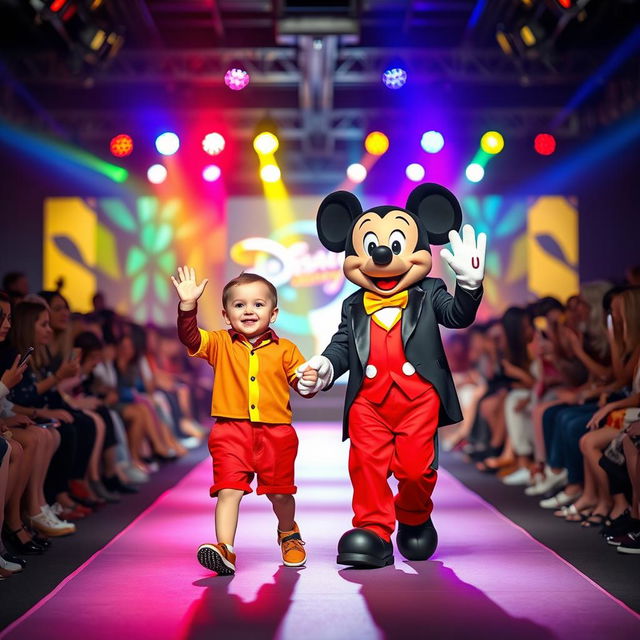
{"x":400,"y":388}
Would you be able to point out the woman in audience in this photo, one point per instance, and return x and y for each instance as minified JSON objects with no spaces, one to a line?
{"x":38,"y":392}
{"x":607,"y":422}
{"x":137,"y":411}
{"x":519,"y":366}
{"x":462,"y":354}
{"x":32,"y":447}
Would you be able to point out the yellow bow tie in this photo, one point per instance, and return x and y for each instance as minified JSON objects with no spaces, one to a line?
{"x":373,"y":302}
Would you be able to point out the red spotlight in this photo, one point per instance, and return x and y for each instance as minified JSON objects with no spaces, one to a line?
{"x":544,"y":144}
{"x":565,"y":4}
{"x":121,"y":145}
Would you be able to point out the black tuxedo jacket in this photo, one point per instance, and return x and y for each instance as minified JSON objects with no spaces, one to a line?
{"x":429,"y":305}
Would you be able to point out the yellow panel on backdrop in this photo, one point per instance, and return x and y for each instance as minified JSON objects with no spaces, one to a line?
{"x":553,"y":225}
{"x":70,"y":249}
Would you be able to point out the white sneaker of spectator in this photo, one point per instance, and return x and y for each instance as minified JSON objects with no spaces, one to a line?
{"x":48,"y":523}
{"x":561,"y":499}
{"x":13,"y":567}
{"x":191,"y":442}
{"x":547,"y":483}
{"x":519,"y":476}
{"x":130,"y":473}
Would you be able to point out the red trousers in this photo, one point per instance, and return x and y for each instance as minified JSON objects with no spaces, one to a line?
{"x":241,"y":449}
{"x":396,"y":437}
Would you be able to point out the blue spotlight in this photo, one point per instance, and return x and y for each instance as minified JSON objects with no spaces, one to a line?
{"x":432,"y":141}
{"x":394,"y":78}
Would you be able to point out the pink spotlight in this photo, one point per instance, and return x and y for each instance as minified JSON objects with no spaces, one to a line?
{"x":236,"y":79}
{"x":211,"y":173}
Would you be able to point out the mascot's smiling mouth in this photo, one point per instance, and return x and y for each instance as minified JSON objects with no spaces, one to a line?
{"x":386,"y":284}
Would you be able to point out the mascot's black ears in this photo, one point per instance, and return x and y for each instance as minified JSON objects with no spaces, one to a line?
{"x":436,"y":208}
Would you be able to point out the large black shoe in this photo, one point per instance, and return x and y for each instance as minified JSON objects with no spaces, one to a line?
{"x":364,"y":549}
{"x":417,"y":542}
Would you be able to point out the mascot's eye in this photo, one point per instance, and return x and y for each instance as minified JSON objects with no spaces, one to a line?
{"x":370,"y":242}
{"x":397,"y":241}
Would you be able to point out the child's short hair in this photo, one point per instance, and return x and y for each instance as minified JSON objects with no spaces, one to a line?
{"x":248,"y":278}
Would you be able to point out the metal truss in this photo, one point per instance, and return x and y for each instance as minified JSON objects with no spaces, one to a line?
{"x":282,"y":66}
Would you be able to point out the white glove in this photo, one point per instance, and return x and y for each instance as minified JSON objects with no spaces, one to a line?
{"x":323,"y":366}
{"x":467,"y":259}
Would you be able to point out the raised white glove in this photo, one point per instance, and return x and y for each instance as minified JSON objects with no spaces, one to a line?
{"x":323,"y":366}
{"x":467,"y":259}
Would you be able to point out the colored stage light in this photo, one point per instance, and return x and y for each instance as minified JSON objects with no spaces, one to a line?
{"x":565,"y":4}
{"x":213,"y":143}
{"x":157,"y":174}
{"x":492,"y":142}
{"x":503,"y":40}
{"x":211,"y":173}
{"x":432,"y":141}
{"x":394,"y":78}
{"x":270,"y":173}
{"x":236,"y":79}
{"x":266,"y":143}
{"x":544,"y":144}
{"x":415,"y":172}
{"x":121,"y":145}
{"x":356,"y":172}
{"x":474,"y":172}
{"x":167,"y":143}
{"x":376,"y":143}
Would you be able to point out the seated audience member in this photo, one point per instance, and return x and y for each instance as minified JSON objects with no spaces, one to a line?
{"x":15,"y":285}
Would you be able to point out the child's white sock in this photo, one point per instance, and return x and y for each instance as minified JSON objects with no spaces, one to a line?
{"x":230,"y":547}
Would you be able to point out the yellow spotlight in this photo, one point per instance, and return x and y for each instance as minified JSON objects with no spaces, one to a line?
{"x":98,"y":39}
{"x":265,"y":143}
{"x":504,"y":43}
{"x":376,"y":143}
{"x":527,"y":35}
{"x":492,"y":142}
{"x":270,"y":173}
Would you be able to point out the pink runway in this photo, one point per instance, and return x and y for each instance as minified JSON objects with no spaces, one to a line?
{"x":488,"y":579}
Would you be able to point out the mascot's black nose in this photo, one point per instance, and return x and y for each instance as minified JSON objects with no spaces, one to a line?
{"x":382,"y":255}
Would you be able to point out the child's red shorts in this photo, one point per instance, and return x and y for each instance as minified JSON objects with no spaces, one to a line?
{"x":240,"y":449}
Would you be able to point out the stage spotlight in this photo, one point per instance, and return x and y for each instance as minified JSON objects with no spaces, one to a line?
{"x":270,"y":173}
{"x":156,"y":174}
{"x":565,"y":4}
{"x":213,"y":143}
{"x":492,"y":142}
{"x":121,"y":145}
{"x":356,"y":172}
{"x":394,"y":78}
{"x":266,"y":143}
{"x":474,"y":172}
{"x":376,"y":143}
{"x":236,"y":79}
{"x":415,"y":172}
{"x":504,"y":41}
{"x":211,"y":173}
{"x":544,"y":144}
{"x":167,"y":143}
{"x":432,"y":141}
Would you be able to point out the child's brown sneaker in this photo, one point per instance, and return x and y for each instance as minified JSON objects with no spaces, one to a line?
{"x":218,"y":558}
{"x":292,"y":547}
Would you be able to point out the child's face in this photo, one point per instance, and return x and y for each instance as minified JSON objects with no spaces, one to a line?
{"x":250,"y":309}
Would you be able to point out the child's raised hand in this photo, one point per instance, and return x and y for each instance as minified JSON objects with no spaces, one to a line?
{"x":186,"y":286}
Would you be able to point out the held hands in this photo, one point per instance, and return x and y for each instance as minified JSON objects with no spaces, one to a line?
{"x":314,"y":375}
{"x":187,"y":288}
{"x":467,"y":259}
{"x":12,"y":376}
